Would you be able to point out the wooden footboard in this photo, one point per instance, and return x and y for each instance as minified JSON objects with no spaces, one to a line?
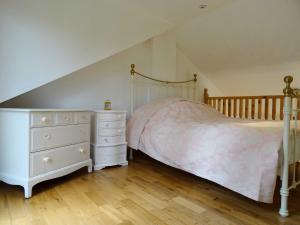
{"x":263,"y":107}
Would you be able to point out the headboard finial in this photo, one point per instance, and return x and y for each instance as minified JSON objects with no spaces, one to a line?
{"x":288,"y":91}
{"x":195,"y":77}
{"x":132,"y":71}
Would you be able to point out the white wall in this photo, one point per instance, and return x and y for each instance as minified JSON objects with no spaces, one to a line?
{"x":164,"y":56}
{"x":256,"y":80}
{"x":108,"y":79}
{"x":91,"y":86}
{"x":41,"y":41}
{"x":185,"y":69}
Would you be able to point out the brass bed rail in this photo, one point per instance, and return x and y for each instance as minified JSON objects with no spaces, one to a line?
{"x":133,"y":72}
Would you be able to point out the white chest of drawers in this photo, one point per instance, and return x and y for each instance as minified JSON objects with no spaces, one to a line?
{"x":42,"y":144}
{"x":108,"y":146}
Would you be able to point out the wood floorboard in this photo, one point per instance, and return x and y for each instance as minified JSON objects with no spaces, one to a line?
{"x":144,"y":193}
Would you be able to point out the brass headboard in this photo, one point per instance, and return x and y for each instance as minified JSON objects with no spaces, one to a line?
{"x":164,"y":84}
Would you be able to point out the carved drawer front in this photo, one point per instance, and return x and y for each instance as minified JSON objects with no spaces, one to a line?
{"x":83,"y":117}
{"x":42,"y":119}
{"x":112,"y":140}
{"x":111,"y":132}
{"x":53,"y":137}
{"x":110,"y":154}
{"x":112,"y":116}
{"x":64,"y":118}
{"x":54,"y":159}
{"x":112,"y":124}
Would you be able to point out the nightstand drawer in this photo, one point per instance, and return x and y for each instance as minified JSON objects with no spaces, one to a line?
{"x":112,"y":140}
{"x":112,"y":116}
{"x":46,"y":161}
{"x":53,"y":137}
{"x":112,"y":124}
{"x":110,"y":155}
{"x":111,"y":132}
{"x":42,"y":119}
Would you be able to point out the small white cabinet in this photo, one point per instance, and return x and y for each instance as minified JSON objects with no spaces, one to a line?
{"x":109,"y":145}
{"x":42,"y":144}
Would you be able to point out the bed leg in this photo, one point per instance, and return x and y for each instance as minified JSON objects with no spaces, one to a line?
{"x":284,"y":203}
{"x":284,"y":191}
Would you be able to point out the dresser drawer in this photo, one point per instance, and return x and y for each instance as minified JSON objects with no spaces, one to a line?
{"x":111,"y":140}
{"x":64,"y":118}
{"x":112,"y":124}
{"x":112,"y":116}
{"x":52,"y":137}
{"x":111,"y":132}
{"x":83,"y":117}
{"x":42,"y":119}
{"x":110,"y":155}
{"x":46,"y":161}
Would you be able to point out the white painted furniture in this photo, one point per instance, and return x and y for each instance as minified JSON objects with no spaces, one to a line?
{"x":42,"y":144}
{"x":109,"y":145}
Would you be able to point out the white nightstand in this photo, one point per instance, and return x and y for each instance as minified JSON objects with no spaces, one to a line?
{"x":109,"y":146}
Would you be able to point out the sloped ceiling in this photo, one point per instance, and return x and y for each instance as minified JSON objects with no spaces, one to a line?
{"x":243,"y":34}
{"x":43,"y":40}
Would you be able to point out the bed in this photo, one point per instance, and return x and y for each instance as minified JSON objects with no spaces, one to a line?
{"x":227,"y":148}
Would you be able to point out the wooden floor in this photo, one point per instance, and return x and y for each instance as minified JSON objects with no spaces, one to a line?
{"x":145,"y":192}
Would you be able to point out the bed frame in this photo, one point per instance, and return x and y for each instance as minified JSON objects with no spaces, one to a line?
{"x":269,"y":107}
{"x":144,"y":88}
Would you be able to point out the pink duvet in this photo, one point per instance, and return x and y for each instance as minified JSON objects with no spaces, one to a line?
{"x":241,"y":155}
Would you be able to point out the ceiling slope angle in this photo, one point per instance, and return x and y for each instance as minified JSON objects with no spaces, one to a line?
{"x":42,"y":41}
{"x":45,"y":40}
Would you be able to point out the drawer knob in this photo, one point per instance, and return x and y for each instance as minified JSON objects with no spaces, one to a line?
{"x":107,"y":125}
{"x":47,"y":136}
{"x":81,"y":150}
{"x":83,"y":117}
{"x":45,"y":119}
{"x":106,"y":140}
{"x":46,"y":159}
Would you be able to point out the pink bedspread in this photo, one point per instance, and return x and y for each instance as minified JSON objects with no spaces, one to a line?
{"x":241,"y":155}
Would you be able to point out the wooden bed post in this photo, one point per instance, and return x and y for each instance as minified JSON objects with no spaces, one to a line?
{"x":205,"y":96}
{"x":287,"y":110}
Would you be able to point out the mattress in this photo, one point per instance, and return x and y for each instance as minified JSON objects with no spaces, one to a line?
{"x":294,"y":142}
